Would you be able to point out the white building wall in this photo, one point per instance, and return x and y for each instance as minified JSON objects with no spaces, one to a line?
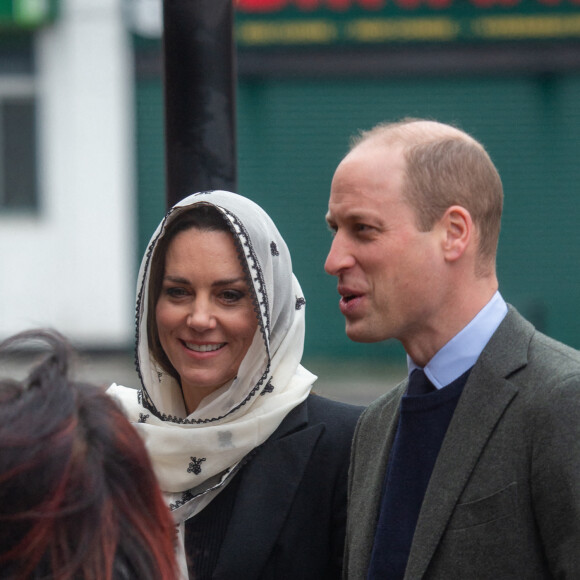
{"x":72,"y":267}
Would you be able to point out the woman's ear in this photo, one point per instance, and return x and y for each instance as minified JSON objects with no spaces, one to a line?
{"x":458,"y":232}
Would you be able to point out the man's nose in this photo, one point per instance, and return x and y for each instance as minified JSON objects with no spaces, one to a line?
{"x":339,"y":257}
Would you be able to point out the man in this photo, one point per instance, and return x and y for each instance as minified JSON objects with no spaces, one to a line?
{"x":474,"y":473}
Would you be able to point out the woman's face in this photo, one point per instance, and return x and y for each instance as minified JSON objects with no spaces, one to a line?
{"x":204,"y":314}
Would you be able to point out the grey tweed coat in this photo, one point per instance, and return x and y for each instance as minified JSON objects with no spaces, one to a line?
{"x":503,"y":501}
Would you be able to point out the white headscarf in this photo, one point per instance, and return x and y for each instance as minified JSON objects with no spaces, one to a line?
{"x":195,"y":456}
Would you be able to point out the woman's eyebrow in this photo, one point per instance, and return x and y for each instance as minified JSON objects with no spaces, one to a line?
{"x":229,"y":281}
{"x":176,"y":279}
{"x":223,"y":282}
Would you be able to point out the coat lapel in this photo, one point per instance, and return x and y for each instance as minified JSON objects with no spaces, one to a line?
{"x":485,"y":397}
{"x":270,"y":479}
{"x":367,"y":472}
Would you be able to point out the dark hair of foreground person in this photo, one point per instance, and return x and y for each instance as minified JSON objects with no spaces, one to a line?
{"x":78,"y":497}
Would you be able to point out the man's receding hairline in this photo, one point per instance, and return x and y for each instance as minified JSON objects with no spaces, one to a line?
{"x":411,"y":134}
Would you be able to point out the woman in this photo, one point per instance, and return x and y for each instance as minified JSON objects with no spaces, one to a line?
{"x":78,"y":497}
{"x":254,"y":466}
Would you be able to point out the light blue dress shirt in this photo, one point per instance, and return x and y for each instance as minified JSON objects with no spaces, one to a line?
{"x":461,"y":352}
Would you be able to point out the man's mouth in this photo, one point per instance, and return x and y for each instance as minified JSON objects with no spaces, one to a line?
{"x":347,"y":294}
{"x":348,"y":297}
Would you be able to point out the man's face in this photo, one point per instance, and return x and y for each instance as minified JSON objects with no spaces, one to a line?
{"x":388,"y":271}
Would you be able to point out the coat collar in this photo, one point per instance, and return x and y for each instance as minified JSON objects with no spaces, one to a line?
{"x":268,"y":483}
{"x":485,"y":397}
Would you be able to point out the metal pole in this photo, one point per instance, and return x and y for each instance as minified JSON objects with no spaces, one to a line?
{"x":199,"y":90}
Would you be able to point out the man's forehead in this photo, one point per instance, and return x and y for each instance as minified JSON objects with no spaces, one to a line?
{"x":351,"y":206}
{"x":372,"y":160}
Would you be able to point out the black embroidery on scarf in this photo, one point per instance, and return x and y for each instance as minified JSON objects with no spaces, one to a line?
{"x":187,"y":496}
{"x":195,"y":465}
{"x":300,"y":302}
{"x":268,"y":388}
{"x":141,"y":294}
{"x":148,"y":404}
{"x":145,"y":401}
{"x":274,"y":249}
{"x":143,"y":418}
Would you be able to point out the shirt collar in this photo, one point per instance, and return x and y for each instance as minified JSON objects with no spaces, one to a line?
{"x":461,"y":352}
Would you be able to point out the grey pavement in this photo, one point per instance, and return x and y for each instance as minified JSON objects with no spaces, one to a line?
{"x":352,"y":381}
{"x":355,"y":381}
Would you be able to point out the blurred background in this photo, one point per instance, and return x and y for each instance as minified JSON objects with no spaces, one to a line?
{"x":82,"y":151}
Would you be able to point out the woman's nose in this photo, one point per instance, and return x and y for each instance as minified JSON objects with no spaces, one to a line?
{"x":201,"y":317}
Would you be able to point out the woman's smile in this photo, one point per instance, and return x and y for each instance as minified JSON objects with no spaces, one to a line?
{"x":204,"y":347}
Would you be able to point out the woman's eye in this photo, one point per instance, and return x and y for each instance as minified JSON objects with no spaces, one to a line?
{"x":174,"y":292}
{"x":232,"y":295}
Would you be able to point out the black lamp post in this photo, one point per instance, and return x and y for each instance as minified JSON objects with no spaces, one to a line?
{"x":199,"y":90}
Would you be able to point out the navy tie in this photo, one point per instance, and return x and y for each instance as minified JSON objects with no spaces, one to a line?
{"x":419,"y":384}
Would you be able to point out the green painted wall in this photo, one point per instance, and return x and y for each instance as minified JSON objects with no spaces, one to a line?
{"x":293,"y":133}
{"x":150,"y":160}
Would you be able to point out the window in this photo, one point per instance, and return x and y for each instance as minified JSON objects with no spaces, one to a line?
{"x":18,"y":138}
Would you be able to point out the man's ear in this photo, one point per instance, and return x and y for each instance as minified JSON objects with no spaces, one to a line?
{"x":458,"y":232}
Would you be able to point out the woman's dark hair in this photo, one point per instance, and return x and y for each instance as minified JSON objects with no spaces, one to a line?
{"x":203,"y":217}
{"x":78,"y":496}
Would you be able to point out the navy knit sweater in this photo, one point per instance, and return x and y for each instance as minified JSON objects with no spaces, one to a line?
{"x":422,"y":426}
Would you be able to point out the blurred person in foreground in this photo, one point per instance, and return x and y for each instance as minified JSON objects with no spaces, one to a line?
{"x":78,"y":497}
{"x":471,"y":467}
{"x":254,"y":466}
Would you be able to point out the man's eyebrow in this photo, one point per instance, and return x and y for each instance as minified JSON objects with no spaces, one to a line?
{"x":353,"y":216}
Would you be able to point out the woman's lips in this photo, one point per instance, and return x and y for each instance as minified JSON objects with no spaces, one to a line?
{"x":204,"y":347}
{"x":204,"y":350}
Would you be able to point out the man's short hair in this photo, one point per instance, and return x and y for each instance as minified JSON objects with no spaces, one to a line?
{"x":445,"y":167}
